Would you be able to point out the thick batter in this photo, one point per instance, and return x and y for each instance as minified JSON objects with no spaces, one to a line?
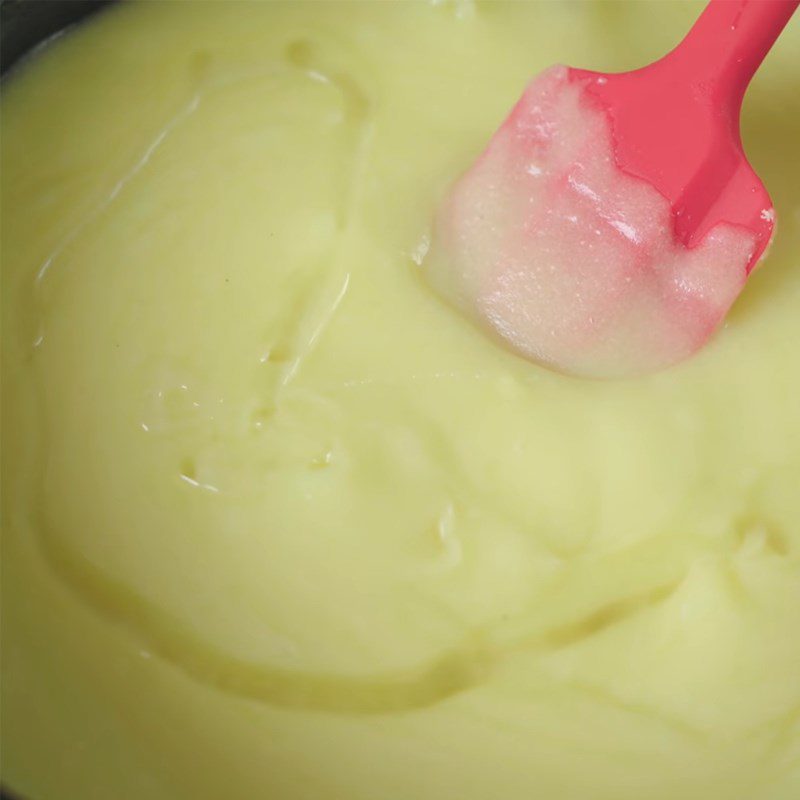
{"x":279,"y":523}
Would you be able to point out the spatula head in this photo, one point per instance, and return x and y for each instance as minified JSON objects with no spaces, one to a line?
{"x":588,"y":265}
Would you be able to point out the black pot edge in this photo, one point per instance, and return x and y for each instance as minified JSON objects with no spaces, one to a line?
{"x":24,"y":24}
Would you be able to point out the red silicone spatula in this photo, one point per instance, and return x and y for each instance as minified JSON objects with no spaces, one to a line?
{"x":676,"y":122}
{"x":613,"y":219}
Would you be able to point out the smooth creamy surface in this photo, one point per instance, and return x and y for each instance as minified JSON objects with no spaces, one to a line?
{"x":568,"y":259}
{"x":279,"y":523}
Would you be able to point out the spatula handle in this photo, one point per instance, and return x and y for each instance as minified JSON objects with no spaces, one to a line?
{"x":729,"y":41}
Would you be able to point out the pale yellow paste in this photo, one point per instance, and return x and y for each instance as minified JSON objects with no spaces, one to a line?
{"x":279,"y":523}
